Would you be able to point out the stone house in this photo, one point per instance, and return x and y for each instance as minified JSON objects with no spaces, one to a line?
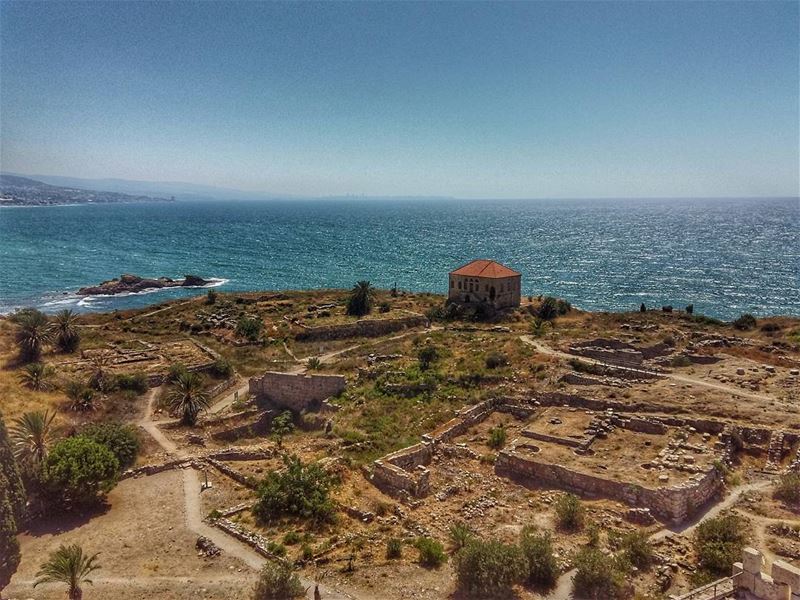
{"x":485,"y":281}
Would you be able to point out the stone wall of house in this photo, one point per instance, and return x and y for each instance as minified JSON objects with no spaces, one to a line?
{"x":466,"y":418}
{"x":295,"y":391}
{"x":675,"y":503}
{"x":361,"y":328}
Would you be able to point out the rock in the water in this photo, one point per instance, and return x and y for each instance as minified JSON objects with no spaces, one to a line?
{"x":128,"y":283}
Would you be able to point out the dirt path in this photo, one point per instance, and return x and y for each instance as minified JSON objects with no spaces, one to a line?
{"x":675,"y":377}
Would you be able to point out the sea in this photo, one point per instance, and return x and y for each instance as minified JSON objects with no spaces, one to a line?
{"x":724,"y":256}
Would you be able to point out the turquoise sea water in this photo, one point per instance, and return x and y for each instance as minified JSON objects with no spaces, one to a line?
{"x":724,"y":256}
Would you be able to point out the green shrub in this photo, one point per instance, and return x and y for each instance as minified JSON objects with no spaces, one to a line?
{"x":745,"y":321}
{"x":385,"y":307}
{"x":122,"y":440}
{"x":431,"y":552}
{"x":636,"y":549}
{"x":548,"y":309}
{"x":460,"y":534}
{"x":176,"y":371}
{"x":277,"y":581}
{"x":291,"y":538}
{"x":542,"y":568}
{"x":299,"y":490}
{"x":599,"y":576}
{"x":427,"y":356}
{"x":249,"y":327}
{"x":79,"y":471}
{"x":276,"y":549}
{"x":497,"y":437}
{"x":680,"y":361}
{"x":314,"y":363}
{"x":136,"y":382}
{"x":211,"y":297}
{"x":222,"y":368}
{"x":281,"y":426}
{"x":569,"y":512}
{"x":495,"y":360}
{"x":718,"y":543}
{"x":489,"y":569}
{"x":307,"y":552}
{"x":394,"y":548}
{"x":788,"y":488}
{"x":690,"y":309}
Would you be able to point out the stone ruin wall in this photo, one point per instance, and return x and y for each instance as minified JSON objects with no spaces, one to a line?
{"x":296,"y":391}
{"x":675,"y":503}
{"x":361,"y":328}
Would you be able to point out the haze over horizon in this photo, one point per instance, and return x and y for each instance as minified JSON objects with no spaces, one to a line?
{"x":537,"y":100}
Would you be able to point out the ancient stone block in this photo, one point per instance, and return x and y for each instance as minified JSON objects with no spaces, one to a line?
{"x":783,"y":572}
{"x":752,"y":560}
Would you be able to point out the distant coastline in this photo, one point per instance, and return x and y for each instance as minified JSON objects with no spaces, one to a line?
{"x":22,"y":191}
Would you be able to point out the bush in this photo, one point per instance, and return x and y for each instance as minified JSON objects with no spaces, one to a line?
{"x":460,"y":534}
{"x":394,"y":548}
{"x":299,"y":490}
{"x":136,"y":382}
{"x":122,"y":440}
{"x":489,"y":569}
{"x":211,"y":297}
{"x":718,"y":543}
{"x":427,"y":356}
{"x":598,"y":576}
{"x":176,"y":371}
{"x":537,"y":549}
{"x":314,"y":363}
{"x":385,"y":307}
{"x":431,"y":552}
{"x":281,"y":426}
{"x":497,"y":437}
{"x":277,"y":581}
{"x":680,"y":361}
{"x":79,"y":471}
{"x":636,"y":549}
{"x":249,"y":327}
{"x":291,"y":538}
{"x":495,"y":360}
{"x":745,"y":321}
{"x":788,"y":488}
{"x":690,"y":309}
{"x":548,"y":309}
{"x":222,"y":368}
{"x":569,"y":512}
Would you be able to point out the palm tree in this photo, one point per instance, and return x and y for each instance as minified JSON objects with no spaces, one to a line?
{"x":188,"y":398}
{"x":68,"y":565}
{"x":539,"y":327}
{"x":37,"y":376}
{"x":100,"y":379}
{"x":31,"y":435}
{"x":361,"y":296}
{"x":35,"y":330}
{"x":81,"y":396}
{"x":66,"y":332}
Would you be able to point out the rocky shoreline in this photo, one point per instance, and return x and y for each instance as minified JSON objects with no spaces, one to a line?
{"x":126,"y":284}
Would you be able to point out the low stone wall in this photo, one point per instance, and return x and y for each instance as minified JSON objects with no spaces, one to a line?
{"x":296,"y":391}
{"x":258,"y":427}
{"x":675,"y":503}
{"x":255,"y":541}
{"x":178,"y":463}
{"x":361,"y":328}
{"x":554,"y":439}
{"x":233,"y":473}
{"x":467,"y":417}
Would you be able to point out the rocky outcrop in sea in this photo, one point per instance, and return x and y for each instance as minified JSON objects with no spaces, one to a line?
{"x":127,"y":284}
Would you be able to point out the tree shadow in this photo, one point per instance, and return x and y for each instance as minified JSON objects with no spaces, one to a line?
{"x":56,"y":522}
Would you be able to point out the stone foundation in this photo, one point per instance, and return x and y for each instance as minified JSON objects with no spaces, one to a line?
{"x":675,"y":503}
{"x":295,"y":391}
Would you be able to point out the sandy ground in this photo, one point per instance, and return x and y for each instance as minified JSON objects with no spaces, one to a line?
{"x":146,"y":551}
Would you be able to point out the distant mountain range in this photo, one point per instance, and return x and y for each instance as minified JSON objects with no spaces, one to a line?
{"x":22,"y":191}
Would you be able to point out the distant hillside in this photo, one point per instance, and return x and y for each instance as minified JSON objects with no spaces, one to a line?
{"x":181,"y":190}
{"x":21,"y":191}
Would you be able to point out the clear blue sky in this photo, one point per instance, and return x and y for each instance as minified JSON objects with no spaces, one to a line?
{"x":541,"y":99}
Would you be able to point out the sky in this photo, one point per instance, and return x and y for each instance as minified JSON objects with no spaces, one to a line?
{"x":480,"y":100}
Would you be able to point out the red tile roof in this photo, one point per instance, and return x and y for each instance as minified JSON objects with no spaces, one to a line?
{"x":485,"y":268}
